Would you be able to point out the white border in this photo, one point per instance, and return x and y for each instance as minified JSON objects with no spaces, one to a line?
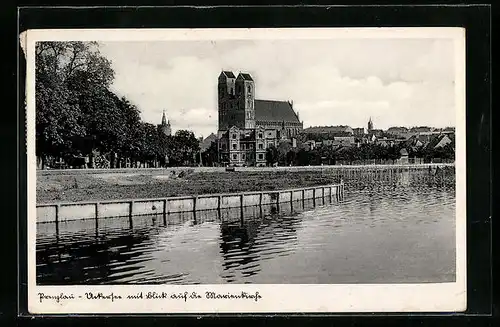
{"x":438,"y":297}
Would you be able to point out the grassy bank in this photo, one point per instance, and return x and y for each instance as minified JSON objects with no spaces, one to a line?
{"x":89,"y":185}
{"x":107,"y":186}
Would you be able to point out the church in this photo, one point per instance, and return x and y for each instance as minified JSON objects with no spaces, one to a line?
{"x":248,"y":126}
{"x":165,"y":127}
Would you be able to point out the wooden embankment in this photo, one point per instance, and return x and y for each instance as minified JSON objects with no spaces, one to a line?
{"x":60,"y":212}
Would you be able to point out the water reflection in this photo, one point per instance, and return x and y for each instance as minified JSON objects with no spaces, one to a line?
{"x":391,"y":227}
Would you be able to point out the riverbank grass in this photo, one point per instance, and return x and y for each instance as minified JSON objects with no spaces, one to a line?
{"x":111,"y":186}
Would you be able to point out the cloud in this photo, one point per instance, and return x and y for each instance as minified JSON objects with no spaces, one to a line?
{"x":396,"y":81}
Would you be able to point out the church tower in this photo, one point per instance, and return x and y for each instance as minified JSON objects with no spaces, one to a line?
{"x":245,"y":92}
{"x":370,"y":125}
{"x":165,"y":125}
{"x":228,"y":115}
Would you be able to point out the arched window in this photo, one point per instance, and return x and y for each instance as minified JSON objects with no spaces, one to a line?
{"x":249,"y":89}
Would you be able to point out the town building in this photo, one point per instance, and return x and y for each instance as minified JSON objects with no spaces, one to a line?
{"x":420,"y":129}
{"x":248,"y":126}
{"x":206,"y":143}
{"x":333,"y":130}
{"x":413,"y":143}
{"x":359,"y":131}
{"x":376,"y":132}
{"x":343,"y":140}
{"x":400,"y":132}
{"x":439,"y":141}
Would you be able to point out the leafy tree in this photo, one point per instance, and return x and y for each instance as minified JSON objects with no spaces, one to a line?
{"x":283,"y":149}
{"x":61,"y":124}
{"x":291,"y":157}
{"x":57,"y":121}
{"x":183,"y":148}
{"x":59,"y":62}
{"x":209,"y":156}
{"x":303,"y":157}
{"x":271,"y":155}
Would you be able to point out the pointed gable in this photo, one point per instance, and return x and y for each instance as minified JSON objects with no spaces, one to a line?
{"x":207,"y":142}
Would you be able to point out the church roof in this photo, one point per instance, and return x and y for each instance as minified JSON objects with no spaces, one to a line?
{"x":246,"y":76}
{"x":228,"y":74}
{"x":268,"y":110}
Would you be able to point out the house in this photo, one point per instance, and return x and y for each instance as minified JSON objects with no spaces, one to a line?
{"x":359,"y":131}
{"x":413,"y":143}
{"x":386,"y":142}
{"x":376,"y":132}
{"x":343,"y":140}
{"x":439,"y":141}
{"x":339,"y":130}
{"x":328,"y":142}
{"x":400,"y":132}
{"x":420,"y":129}
{"x":207,"y":142}
{"x":311,"y":144}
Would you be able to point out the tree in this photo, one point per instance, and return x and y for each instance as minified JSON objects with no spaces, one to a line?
{"x":65,"y":71}
{"x":209,"y":156}
{"x":303,"y":157}
{"x":271,"y":155}
{"x":283,"y":150}
{"x":291,"y":157}
{"x":183,"y":148}
{"x":59,"y":62}
{"x":57,"y":121}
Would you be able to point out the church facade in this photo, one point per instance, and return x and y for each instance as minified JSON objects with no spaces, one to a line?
{"x":248,"y":126}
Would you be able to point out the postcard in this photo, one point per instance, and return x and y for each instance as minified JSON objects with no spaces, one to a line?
{"x":287,"y":170}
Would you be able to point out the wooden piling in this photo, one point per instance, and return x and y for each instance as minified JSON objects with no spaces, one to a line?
{"x":165,"y":209}
{"x":57,"y":207}
{"x":96,"y":217}
{"x":241,"y":209}
{"x":131,"y":214}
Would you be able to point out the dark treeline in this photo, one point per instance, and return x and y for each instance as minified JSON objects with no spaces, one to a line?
{"x":78,"y":116}
{"x":284,"y":154}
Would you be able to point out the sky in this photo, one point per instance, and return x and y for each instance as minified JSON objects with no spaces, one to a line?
{"x":396,"y":82}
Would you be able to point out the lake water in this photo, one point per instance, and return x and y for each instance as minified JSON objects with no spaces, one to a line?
{"x":393,"y":226}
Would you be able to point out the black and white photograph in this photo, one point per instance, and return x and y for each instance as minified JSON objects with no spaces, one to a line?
{"x":240,"y":169}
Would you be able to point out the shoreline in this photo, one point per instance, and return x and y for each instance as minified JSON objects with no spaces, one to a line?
{"x":143,"y":183}
{"x":223,"y":169}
